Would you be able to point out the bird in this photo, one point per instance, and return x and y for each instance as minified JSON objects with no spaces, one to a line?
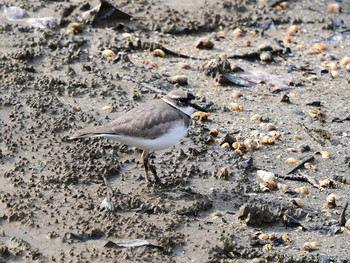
{"x":154,"y":125}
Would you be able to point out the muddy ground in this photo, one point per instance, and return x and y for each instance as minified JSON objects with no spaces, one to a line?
{"x":53,"y":82}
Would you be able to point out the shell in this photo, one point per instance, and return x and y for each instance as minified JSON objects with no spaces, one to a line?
{"x":235,"y":107}
{"x":78,"y":108}
{"x":202,"y":116}
{"x":266,"y":176}
{"x":292,"y":30}
{"x":298,"y":137}
{"x":108,"y":53}
{"x":319,"y":46}
{"x":183,"y":65}
{"x":180,"y":79}
{"x":270,"y":127}
{"x":291,"y":160}
{"x":74,"y":28}
{"x":268,"y":140}
{"x":127,"y":35}
{"x":225,"y":145}
{"x":214,"y":132}
{"x":325,"y":154}
{"x":310,"y":166}
{"x":237,"y":32}
{"x":286,"y":238}
{"x":275,"y":134}
{"x":267,"y":247}
{"x":345,"y":61}
{"x":287,"y":40}
{"x":255,"y":117}
{"x":247,"y":43}
{"x":263,"y":236}
{"x":223,"y":173}
{"x":204,"y":43}
{"x":236,"y":94}
{"x":334,"y":8}
{"x":307,"y":246}
{"x":302,"y":190}
{"x":297,"y":202}
{"x":332,"y":65}
{"x":334,"y":74}
{"x":266,"y":56}
{"x":158,"y":53}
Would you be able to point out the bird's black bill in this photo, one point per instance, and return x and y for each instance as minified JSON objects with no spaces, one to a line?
{"x":195,"y":106}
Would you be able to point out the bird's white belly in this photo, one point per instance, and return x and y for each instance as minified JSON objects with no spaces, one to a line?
{"x":165,"y":141}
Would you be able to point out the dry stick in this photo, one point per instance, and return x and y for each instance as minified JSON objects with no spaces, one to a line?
{"x":342,"y":219}
{"x":302,"y":178}
{"x":301,"y":165}
{"x":307,"y":130}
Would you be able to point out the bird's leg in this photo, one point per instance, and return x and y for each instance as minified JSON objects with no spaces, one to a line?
{"x":145,"y":164}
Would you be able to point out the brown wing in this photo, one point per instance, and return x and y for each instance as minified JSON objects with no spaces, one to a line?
{"x":148,"y":120}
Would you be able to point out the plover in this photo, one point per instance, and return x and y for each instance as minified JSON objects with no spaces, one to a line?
{"x":152,"y":126}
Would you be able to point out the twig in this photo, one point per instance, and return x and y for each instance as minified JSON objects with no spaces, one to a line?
{"x":301,"y":165}
{"x":342,"y":219}
{"x":302,"y":178}
{"x":145,"y":85}
{"x":309,"y":132}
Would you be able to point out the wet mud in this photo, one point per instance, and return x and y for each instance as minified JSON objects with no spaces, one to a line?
{"x":213,"y":206}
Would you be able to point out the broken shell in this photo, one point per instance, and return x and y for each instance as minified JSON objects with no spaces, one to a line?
{"x":235,"y":107}
{"x":223,"y":173}
{"x":334,"y":74}
{"x":268,"y":140}
{"x":266,"y":56}
{"x":266,"y":176}
{"x":302,"y":190}
{"x":345,"y":61}
{"x":237,"y":32}
{"x":181,"y":79}
{"x":263,"y":236}
{"x":183,"y":65}
{"x":291,"y":160}
{"x":319,"y":46}
{"x":204,"y":43}
{"x":202,"y":116}
{"x":78,"y":108}
{"x":267,"y":247}
{"x":309,"y":166}
{"x":330,"y":201}
{"x":324,"y":182}
{"x":292,"y":30}
{"x":214,"y":132}
{"x":108,"y":53}
{"x":316,"y":113}
{"x":158,"y":53}
{"x":247,"y":43}
{"x":236,"y":94}
{"x":270,"y":127}
{"x":297,"y":202}
{"x":106,"y":107}
{"x":255,"y":117}
{"x":250,"y":144}
{"x":334,"y":8}
{"x":227,"y":138}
